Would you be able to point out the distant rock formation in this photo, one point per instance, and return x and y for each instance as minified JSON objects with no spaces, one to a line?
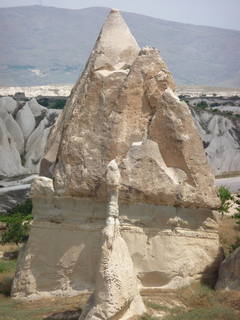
{"x":122,"y":111}
{"x":221,"y":140}
{"x":24,"y":129}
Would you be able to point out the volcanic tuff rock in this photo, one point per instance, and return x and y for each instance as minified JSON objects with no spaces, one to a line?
{"x":125,"y":96}
{"x":24,"y":130}
{"x":122,"y":111}
{"x":229,"y":272}
{"x":220,"y":136}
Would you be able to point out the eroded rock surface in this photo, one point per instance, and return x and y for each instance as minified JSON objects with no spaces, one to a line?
{"x":24,"y":130}
{"x":122,"y":111}
{"x":229,"y":272}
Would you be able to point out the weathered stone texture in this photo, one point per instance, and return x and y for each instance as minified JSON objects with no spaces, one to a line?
{"x":229,"y":272}
{"x":122,"y":118}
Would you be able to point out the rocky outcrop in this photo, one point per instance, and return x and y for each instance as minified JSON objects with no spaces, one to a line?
{"x":229,"y":272}
{"x":221,"y":140}
{"x":122,"y":111}
{"x":24,"y":130}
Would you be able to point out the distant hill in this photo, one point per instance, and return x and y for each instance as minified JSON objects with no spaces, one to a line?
{"x":46,"y":45}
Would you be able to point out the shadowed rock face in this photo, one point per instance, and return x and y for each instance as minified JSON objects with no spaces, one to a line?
{"x":122,"y":111}
{"x":229,"y":272}
{"x":123,"y":107}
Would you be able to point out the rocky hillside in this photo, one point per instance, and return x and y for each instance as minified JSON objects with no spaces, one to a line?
{"x":46,"y":45}
{"x":24,"y":128}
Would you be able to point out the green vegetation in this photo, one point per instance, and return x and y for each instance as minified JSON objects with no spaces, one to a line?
{"x":211,"y":313}
{"x":193,"y":302}
{"x":44,"y":103}
{"x":17,"y":221}
{"x":202,"y":104}
{"x":59,"y":104}
{"x":226,"y":198}
{"x":215,"y":104}
{"x":7,"y":265}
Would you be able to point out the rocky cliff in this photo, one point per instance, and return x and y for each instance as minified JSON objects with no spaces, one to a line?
{"x":123,"y":153}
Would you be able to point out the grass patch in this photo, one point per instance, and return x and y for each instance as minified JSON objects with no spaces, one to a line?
{"x":40,"y":309}
{"x":8,"y":265}
{"x":209,"y":313}
{"x":193,"y":302}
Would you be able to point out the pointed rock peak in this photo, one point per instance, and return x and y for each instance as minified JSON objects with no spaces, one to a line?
{"x":115,"y":44}
{"x":114,"y":11}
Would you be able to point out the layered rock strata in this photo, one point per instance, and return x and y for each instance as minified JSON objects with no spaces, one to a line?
{"x":123,"y":109}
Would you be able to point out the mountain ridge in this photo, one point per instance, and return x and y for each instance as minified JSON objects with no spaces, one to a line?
{"x":46,"y":45}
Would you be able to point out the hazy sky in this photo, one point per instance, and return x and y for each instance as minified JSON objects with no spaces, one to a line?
{"x":217,"y":13}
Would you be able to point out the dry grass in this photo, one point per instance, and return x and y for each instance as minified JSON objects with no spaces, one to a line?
{"x":228,"y":175}
{"x":228,"y":231}
{"x":40,"y":309}
{"x":194,"y":302}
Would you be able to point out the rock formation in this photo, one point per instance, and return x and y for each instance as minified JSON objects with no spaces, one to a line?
{"x":229,"y":272}
{"x":116,"y":293}
{"x":24,"y":129}
{"x":221,"y":140}
{"x":122,"y":111}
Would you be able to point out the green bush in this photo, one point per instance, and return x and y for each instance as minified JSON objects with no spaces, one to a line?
{"x":225,"y":196}
{"x":44,"y":103}
{"x":202,"y":104}
{"x":17,"y":222}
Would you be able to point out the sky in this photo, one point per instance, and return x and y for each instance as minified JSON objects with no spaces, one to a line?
{"x":216,"y":13}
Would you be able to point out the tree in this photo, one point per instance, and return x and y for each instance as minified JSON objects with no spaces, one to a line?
{"x":17,"y":222}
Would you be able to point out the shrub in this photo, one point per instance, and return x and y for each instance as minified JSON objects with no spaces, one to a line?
{"x":202,"y":104}
{"x":17,"y":222}
{"x":59,"y":104}
{"x":44,"y":103}
{"x":225,"y":196}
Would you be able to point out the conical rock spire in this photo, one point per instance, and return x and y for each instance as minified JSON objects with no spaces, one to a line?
{"x":114,"y":49}
{"x":122,"y":111}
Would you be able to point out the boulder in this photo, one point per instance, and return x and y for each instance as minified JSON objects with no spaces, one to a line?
{"x":122,"y":116}
{"x":229,"y":272}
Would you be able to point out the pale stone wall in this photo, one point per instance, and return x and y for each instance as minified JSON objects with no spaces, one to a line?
{"x":169,"y":246}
